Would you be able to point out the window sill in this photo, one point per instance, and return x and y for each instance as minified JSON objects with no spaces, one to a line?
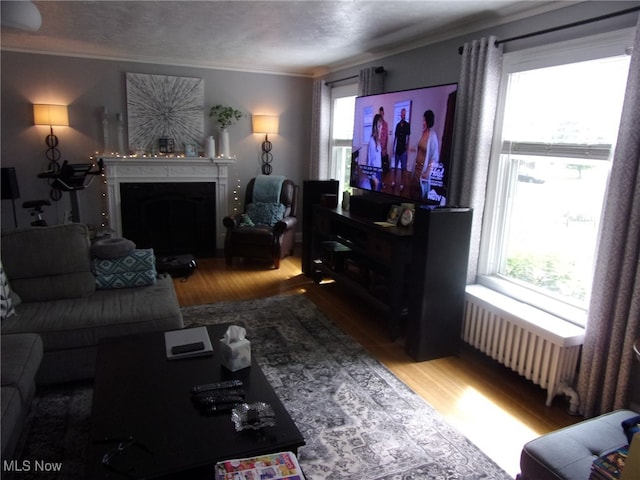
{"x":569,"y":313}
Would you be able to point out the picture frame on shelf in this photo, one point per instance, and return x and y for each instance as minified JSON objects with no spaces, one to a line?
{"x":394,"y":214}
{"x":166,"y":145}
{"x":190,"y":150}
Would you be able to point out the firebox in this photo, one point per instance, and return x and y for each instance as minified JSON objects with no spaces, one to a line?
{"x":170,"y":217}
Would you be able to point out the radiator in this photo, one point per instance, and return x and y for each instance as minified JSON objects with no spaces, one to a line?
{"x":538,"y":346}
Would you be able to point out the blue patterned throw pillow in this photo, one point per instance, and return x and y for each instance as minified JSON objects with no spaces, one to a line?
{"x":265,"y":213}
{"x":137,"y":269}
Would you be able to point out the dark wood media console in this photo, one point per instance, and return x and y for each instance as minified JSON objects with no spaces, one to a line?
{"x":416,"y":274}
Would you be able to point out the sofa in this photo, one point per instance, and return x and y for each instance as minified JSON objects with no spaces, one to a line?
{"x":568,"y":453}
{"x":51,"y":270}
{"x":21,"y":357}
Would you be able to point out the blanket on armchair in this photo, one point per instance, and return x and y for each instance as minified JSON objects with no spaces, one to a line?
{"x":266,"y":188}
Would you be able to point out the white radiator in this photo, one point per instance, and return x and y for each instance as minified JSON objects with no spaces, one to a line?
{"x":540,"y":347}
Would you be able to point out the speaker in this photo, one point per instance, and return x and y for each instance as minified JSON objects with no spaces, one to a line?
{"x":441,"y":239}
{"x":313,"y":192}
{"x":9,"y":183}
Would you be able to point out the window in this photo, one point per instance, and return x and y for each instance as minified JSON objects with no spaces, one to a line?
{"x":342,"y":111}
{"x":555,"y":134}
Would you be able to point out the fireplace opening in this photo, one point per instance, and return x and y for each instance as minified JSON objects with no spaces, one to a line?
{"x":171,"y":217}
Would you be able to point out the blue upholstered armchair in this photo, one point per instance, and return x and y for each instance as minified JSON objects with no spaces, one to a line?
{"x":267,"y":227}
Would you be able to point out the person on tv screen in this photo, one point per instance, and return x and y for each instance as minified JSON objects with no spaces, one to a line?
{"x":374,"y":153}
{"x":400,"y":143}
{"x":384,"y":140}
{"x":427,"y":156}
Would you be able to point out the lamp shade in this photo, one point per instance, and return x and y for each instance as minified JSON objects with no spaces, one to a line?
{"x":265,"y":123}
{"x":51,"y":115}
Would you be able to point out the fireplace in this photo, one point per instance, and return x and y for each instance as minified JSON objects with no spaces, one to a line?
{"x":167,"y":172}
{"x":172,"y":218}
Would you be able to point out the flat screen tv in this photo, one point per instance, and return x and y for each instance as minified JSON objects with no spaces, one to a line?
{"x":402,"y":143}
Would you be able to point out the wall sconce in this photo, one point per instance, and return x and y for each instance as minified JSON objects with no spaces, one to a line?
{"x":266,"y":124}
{"x":58,"y":115}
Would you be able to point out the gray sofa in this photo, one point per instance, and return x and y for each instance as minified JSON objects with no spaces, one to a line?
{"x":50,"y":269}
{"x":568,"y":453}
{"x":21,"y":357}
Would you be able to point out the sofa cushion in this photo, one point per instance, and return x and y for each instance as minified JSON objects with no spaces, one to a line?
{"x":48,"y":263}
{"x":13,"y":415}
{"x":81,"y":322}
{"x":21,"y":356}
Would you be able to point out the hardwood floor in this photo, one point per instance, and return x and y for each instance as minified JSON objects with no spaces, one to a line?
{"x":493,"y":407}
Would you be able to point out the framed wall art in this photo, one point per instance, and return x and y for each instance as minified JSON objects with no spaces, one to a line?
{"x":161,"y":106}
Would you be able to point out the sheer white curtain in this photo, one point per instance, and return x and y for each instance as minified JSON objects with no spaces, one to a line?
{"x":605,"y":378}
{"x":370,"y":81}
{"x":476,"y":105}
{"x":320,"y":125}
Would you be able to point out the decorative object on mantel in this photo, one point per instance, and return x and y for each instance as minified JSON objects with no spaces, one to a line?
{"x":209,"y":147}
{"x":225,"y":117}
{"x":164,"y":106}
{"x":266,"y":124}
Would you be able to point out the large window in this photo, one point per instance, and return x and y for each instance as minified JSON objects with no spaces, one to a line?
{"x":342,"y":111}
{"x":555,"y":135}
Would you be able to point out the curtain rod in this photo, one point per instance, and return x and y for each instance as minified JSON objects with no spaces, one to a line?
{"x":562,"y":27}
{"x":341,"y":80}
{"x":378,"y":70}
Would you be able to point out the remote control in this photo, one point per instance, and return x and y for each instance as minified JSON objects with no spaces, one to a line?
{"x":239,"y":392}
{"x":208,"y":401}
{"x":217,"y":386}
{"x":187,"y":348}
{"x":220,"y":407}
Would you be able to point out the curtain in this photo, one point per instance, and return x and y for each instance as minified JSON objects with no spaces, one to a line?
{"x":476,"y":104}
{"x":371,"y":81}
{"x":320,"y":122}
{"x":613,"y":324}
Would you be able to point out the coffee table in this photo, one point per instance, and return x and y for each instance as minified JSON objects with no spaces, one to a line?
{"x":142,"y":403}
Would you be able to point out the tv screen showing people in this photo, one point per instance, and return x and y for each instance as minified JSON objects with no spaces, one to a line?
{"x":402,"y":143}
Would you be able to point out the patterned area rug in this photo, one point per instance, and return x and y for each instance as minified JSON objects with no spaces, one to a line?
{"x":358,"y":420}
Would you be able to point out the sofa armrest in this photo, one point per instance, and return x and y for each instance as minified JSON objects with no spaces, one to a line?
{"x":287,"y":223}
{"x":231,"y":221}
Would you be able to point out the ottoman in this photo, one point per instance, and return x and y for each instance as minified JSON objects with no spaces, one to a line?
{"x":568,"y":453}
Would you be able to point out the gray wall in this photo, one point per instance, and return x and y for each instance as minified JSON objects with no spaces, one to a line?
{"x":88,"y":85}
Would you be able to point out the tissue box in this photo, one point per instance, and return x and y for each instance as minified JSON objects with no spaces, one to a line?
{"x":235,"y":355}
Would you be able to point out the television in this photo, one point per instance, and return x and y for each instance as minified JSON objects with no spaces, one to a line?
{"x":393,"y":160}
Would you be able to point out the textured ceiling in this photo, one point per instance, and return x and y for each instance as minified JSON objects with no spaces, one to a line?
{"x":294,"y":37}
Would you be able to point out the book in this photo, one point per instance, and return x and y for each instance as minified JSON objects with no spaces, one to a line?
{"x":275,"y":466}
{"x":175,"y":339}
{"x":609,"y":466}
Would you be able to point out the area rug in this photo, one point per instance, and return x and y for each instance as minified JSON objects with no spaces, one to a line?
{"x":358,"y":420}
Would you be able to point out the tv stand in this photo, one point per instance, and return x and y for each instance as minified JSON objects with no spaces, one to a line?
{"x":415,"y":274}
{"x":374,"y":263}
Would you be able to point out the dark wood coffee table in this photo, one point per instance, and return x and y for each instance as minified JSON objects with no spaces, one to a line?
{"x":139,"y":394}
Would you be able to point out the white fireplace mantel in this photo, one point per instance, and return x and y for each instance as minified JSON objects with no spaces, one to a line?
{"x":166,"y":169}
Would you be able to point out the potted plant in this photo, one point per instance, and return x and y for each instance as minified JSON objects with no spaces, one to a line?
{"x":225,"y":117}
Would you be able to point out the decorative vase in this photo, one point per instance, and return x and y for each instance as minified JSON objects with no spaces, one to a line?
{"x":210,"y":147}
{"x":224,"y":143}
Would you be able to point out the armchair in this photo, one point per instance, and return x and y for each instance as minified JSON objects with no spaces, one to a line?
{"x":263,"y":230}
